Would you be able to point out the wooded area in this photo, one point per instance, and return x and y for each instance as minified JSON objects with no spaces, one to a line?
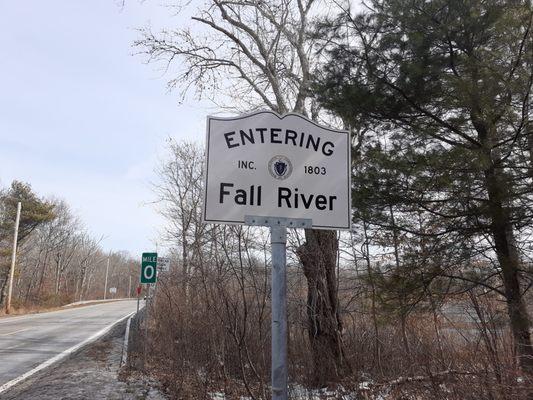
{"x":428,"y":295}
{"x":58,"y":261}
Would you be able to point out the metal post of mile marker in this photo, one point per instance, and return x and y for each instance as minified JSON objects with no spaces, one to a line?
{"x":145,"y":317}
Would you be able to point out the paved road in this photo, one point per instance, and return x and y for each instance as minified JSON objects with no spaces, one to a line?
{"x":91,"y":374}
{"x":27,"y":341}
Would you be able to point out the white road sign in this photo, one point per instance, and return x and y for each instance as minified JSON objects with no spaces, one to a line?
{"x":163,"y":264}
{"x":113,"y":290}
{"x":263,"y":164}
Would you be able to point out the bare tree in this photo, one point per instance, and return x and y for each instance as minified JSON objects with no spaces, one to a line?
{"x":259,"y":53}
{"x":88,"y":252}
{"x":180,"y":194}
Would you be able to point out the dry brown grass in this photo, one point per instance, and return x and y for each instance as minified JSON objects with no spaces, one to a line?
{"x":216,"y":338}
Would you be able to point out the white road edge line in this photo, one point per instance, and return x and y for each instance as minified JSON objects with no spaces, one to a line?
{"x":62,"y":355}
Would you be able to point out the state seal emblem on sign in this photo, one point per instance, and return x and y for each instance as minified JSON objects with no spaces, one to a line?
{"x":280,"y":167}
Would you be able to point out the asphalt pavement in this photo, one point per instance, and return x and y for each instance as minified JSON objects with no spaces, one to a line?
{"x":30,"y":340}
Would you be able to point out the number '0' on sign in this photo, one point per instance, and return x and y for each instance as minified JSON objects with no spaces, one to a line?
{"x":149,"y":268}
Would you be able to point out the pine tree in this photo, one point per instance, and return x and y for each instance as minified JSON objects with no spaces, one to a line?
{"x":35,"y":212}
{"x":444,"y":85}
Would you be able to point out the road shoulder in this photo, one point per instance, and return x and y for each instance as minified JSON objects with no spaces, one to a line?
{"x":91,"y":373}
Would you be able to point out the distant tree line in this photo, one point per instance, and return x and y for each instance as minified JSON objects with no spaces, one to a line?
{"x":58,"y":261}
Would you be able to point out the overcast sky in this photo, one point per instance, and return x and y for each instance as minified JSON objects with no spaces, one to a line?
{"x":81,"y":118}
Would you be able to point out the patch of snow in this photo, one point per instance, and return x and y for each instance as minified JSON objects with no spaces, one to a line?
{"x":299,"y":392}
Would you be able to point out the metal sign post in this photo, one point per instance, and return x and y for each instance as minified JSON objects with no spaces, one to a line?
{"x":145,"y":317}
{"x":278,"y":240}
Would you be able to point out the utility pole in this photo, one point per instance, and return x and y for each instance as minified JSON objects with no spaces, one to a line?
{"x":13,"y":259}
{"x":106,"y":273}
{"x":129,"y":289}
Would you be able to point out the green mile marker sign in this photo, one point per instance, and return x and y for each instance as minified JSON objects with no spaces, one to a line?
{"x":149,"y":268}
